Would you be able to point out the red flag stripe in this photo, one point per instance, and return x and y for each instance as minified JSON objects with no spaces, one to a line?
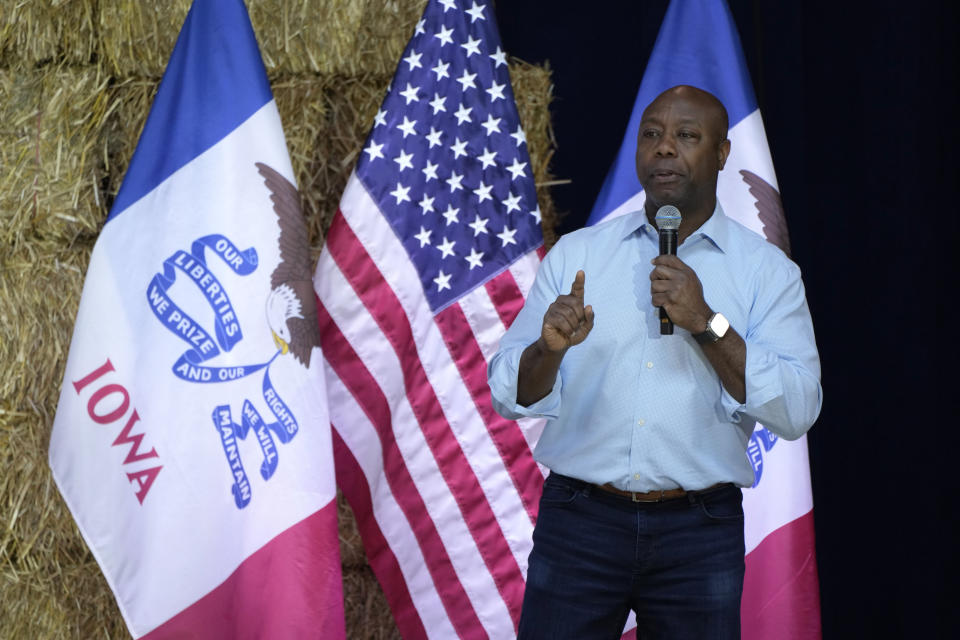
{"x":488,"y":334}
{"x":290,"y":588}
{"x":506,"y":296}
{"x":356,"y":490}
{"x":390,"y":257}
{"x":377,"y":296}
{"x":506,"y":434}
{"x":361,"y":331}
{"x":487,"y":329}
{"x":341,"y":357}
{"x":361,"y":438}
{"x":781,"y":595}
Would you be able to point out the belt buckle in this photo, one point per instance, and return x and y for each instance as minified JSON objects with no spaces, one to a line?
{"x":634,"y":498}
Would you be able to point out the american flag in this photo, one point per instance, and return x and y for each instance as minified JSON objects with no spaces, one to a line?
{"x":426,"y":264}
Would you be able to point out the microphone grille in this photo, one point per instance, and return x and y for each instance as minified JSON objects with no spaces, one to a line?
{"x":668,"y":217}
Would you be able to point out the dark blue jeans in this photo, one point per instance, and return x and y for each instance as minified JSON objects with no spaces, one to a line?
{"x":678,"y":564}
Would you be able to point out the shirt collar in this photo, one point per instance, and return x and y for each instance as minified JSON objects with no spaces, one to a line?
{"x":716,"y":229}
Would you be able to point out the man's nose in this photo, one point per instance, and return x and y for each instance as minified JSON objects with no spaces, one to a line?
{"x":666,"y":146}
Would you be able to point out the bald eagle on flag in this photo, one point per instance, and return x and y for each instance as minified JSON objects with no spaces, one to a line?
{"x":291,"y":313}
{"x":769,"y":210}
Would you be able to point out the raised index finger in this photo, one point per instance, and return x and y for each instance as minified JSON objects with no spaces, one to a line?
{"x":577,"y":288}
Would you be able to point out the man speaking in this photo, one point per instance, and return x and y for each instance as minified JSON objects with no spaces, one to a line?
{"x":647,"y":433}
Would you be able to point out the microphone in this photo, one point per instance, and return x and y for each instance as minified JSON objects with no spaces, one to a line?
{"x":668,"y":221}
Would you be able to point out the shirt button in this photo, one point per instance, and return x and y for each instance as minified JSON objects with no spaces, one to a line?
{"x":640,"y":422}
{"x":636,"y":476}
{"x":649,"y":365}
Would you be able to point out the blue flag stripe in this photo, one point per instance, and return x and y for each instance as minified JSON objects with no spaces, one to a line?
{"x":214,"y":81}
{"x":697,"y":45}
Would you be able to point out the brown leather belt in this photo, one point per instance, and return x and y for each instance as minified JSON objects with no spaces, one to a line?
{"x":658,"y":496}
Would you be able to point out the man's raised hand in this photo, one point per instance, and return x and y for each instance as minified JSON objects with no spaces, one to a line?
{"x":567,"y":322}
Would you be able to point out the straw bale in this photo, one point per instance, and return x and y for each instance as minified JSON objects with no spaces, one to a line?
{"x":351,"y":546}
{"x":366,"y":610}
{"x":51,"y":154}
{"x":334,"y":36}
{"x":533,"y":92}
{"x":130,"y":99}
{"x":50,"y":585}
{"x":326,"y":119}
{"x":39,"y":294}
{"x":33,"y":33}
{"x":69,"y":122}
{"x":322,"y":36}
{"x":137,"y":37}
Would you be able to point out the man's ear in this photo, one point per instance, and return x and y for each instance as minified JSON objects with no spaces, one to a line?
{"x":723,"y":152}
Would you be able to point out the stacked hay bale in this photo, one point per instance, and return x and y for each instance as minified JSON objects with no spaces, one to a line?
{"x":76,"y":81}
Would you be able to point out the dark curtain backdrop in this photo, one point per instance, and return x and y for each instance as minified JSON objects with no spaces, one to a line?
{"x":860,"y":105}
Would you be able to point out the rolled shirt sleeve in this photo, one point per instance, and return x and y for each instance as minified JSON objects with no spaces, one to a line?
{"x":502,"y":372}
{"x":645,"y":411}
{"x":782,"y":372}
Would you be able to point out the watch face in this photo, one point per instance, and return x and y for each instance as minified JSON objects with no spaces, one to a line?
{"x":719,"y":325}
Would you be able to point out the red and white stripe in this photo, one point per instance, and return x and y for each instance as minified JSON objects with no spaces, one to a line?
{"x":444,"y":489}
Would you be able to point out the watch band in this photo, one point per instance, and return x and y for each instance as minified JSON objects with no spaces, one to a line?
{"x":709,"y":336}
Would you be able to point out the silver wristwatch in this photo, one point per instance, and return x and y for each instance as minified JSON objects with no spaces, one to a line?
{"x":717,"y":327}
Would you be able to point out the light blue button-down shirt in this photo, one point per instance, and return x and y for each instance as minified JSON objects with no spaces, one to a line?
{"x":644,"y":411}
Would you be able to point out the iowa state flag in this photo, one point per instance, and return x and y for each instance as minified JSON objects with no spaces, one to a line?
{"x":698,"y":45}
{"x":192,"y":441}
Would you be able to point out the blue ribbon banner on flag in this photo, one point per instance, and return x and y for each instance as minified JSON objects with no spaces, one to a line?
{"x":226,"y":335}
